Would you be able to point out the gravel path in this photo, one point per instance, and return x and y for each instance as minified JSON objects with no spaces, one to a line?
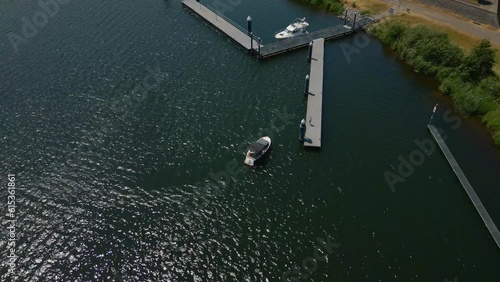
{"x":445,"y":18}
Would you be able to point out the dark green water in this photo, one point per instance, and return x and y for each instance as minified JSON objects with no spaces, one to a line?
{"x":114,"y":180}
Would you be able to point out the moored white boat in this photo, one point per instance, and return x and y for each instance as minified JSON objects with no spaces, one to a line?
{"x":297,"y":28}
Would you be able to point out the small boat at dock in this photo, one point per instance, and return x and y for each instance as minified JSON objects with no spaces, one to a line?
{"x":297,"y":28}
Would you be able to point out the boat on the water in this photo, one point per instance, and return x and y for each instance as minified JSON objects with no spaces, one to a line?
{"x":297,"y":28}
{"x":257,"y":149}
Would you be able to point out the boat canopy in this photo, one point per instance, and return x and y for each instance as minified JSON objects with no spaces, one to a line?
{"x":259,"y":145}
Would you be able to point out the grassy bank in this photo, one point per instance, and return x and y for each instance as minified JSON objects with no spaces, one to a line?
{"x":462,"y":39}
{"x":334,"y":6}
{"x":338,"y":6}
{"x":466,"y":71}
{"x":371,"y":7}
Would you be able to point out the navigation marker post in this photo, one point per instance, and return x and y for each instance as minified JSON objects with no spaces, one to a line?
{"x":433,"y":112}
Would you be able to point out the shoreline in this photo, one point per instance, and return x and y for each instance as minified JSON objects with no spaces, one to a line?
{"x":446,"y":53}
{"x":431,"y":51}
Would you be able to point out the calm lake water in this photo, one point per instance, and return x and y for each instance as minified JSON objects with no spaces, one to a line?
{"x":117,"y":116}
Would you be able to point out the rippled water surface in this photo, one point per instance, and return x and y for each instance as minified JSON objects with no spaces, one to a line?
{"x":123,"y":119}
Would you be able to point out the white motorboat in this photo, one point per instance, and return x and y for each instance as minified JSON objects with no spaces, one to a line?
{"x":257,"y":150}
{"x":297,"y":28}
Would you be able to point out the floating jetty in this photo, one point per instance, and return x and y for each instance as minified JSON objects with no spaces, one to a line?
{"x":222,"y":23}
{"x":254,"y":45}
{"x":293,"y":43}
{"x":314,"y":93}
{"x":467,"y":186}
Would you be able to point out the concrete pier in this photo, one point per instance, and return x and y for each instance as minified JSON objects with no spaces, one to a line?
{"x":241,"y":36}
{"x":492,"y":228}
{"x":315,"y":96}
{"x":231,"y":29}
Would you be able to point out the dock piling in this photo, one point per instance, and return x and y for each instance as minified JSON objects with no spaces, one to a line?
{"x":354,"y":22}
{"x":249,"y":24}
{"x":345,"y":17}
{"x":306,"y":85}
{"x":302,"y":129}
{"x":310,"y":51}
{"x":249,"y":29}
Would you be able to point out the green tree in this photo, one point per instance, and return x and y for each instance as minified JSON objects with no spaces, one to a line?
{"x":478,"y":64}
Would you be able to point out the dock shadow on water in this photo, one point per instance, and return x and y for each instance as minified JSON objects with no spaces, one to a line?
{"x":307,"y":140}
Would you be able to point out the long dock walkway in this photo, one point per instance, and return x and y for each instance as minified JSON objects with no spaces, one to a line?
{"x":315,"y":95}
{"x":286,"y":45}
{"x":228,"y":27}
{"x":467,"y":186}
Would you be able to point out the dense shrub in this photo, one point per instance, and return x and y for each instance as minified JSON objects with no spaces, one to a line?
{"x":392,"y":34}
{"x":492,"y":121}
{"x":474,"y":100}
{"x":496,"y":137}
{"x":491,"y":85}
{"x":444,"y":73}
{"x":426,"y":49}
{"x":334,"y":6}
{"x":453,"y":83}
